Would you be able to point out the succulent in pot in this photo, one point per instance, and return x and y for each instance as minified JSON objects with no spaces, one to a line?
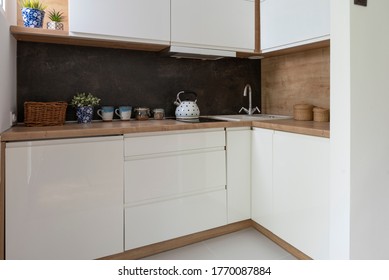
{"x":56,"y":18}
{"x":33,"y":13}
{"x":84,"y":103}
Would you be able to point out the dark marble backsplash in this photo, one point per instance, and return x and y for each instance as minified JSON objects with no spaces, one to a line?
{"x":49,"y":72}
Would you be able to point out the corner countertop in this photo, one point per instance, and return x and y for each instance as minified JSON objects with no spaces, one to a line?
{"x":70,"y":130}
{"x":321,"y":129}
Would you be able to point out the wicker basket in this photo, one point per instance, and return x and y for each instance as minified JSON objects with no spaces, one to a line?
{"x":303,"y":112}
{"x":44,"y":113}
{"x":321,"y":114}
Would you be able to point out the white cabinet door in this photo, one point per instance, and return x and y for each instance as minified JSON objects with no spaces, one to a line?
{"x":131,"y":20}
{"x":262,"y":177}
{"x":238,"y":174}
{"x":64,"y":198}
{"x":301,"y":192}
{"x":286,"y":23}
{"x":218,"y":24}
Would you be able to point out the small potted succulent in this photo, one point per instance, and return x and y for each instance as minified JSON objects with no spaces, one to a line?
{"x":56,"y":18}
{"x":84,"y":103}
{"x":33,"y":13}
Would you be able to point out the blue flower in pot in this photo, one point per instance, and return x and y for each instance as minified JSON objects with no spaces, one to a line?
{"x":84,"y":103}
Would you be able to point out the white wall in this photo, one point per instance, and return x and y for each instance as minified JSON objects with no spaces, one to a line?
{"x":340,"y":130}
{"x":359,"y":130}
{"x":7,"y":65}
{"x":370,"y":131}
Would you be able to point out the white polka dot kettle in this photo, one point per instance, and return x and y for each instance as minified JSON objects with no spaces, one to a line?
{"x":187,"y":109}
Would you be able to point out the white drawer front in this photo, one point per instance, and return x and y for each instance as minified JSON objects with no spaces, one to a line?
{"x":151,"y":223}
{"x":172,"y":175}
{"x":143,"y":144}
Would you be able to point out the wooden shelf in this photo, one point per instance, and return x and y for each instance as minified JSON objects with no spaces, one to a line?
{"x":312,"y":46}
{"x":40,"y":35}
{"x":254,"y":55}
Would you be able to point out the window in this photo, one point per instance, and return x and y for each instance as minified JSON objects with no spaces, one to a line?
{"x":2,"y":5}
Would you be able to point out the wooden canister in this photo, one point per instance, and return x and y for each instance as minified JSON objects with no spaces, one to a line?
{"x":303,"y":112}
{"x":321,"y":114}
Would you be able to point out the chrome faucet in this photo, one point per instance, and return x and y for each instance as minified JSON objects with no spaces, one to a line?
{"x":250,"y":110}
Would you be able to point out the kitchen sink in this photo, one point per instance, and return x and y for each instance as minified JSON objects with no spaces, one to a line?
{"x":258,"y":117}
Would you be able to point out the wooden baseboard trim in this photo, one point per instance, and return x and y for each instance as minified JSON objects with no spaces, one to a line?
{"x":160,"y":247}
{"x":164,"y":246}
{"x":280,"y":242}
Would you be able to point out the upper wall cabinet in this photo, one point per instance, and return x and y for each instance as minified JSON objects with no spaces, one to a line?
{"x":143,"y":21}
{"x":214,"y":24}
{"x":286,"y":23}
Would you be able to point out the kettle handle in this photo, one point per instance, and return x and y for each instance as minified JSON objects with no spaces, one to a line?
{"x":186,"y":91}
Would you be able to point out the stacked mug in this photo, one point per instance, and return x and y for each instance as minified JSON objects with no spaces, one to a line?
{"x":107,"y":113}
{"x":124,"y":112}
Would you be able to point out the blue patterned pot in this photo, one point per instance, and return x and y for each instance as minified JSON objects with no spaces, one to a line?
{"x":84,"y":114}
{"x":33,"y":17}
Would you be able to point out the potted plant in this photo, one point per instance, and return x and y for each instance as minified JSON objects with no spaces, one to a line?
{"x":56,"y":18}
{"x":84,"y":102}
{"x":33,"y":13}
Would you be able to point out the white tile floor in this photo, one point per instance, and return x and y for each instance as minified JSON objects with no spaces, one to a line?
{"x":247,"y":244}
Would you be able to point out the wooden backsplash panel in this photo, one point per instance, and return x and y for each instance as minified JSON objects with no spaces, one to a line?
{"x":296,"y":78}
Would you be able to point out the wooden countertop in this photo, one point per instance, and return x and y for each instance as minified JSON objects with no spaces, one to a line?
{"x":312,"y":128}
{"x":99,"y":128}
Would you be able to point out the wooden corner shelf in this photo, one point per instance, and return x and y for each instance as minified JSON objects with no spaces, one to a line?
{"x":40,"y":35}
{"x":297,"y":49}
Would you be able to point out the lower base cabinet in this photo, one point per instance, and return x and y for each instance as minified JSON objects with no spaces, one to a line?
{"x":238,"y":173}
{"x":301,"y":192}
{"x":64,"y":198}
{"x":290,"y":191}
{"x":262,"y":177}
{"x":175,"y":185}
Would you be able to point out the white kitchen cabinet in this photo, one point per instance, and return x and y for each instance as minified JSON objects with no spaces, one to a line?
{"x":262,"y":177}
{"x":301,"y":192}
{"x":286,"y":23}
{"x":64,"y":198}
{"x":238,"y":173}
{"x":214,"y":24}
{"x":175,"y":184}
{"x":290,"y":188}
{"x":144,"y":21}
